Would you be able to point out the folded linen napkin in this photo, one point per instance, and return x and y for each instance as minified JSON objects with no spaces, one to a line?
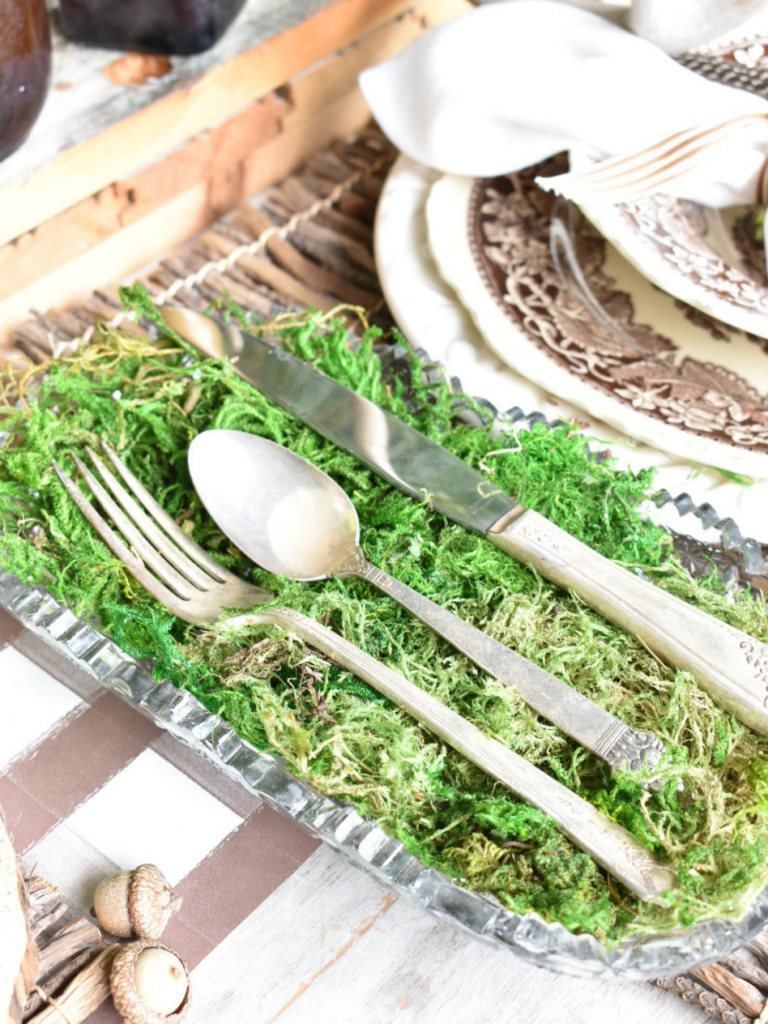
{"x":514,"y":82}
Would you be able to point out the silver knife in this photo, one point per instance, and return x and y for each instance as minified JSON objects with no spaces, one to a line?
{"x":729,"y":665}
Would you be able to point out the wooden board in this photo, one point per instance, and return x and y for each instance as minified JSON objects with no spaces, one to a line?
{"x":301,"y":935}
{"x":120,"y":149}
{"x":89,"y":89}
{"x":105,"y":237}
{"x":332,"y":946}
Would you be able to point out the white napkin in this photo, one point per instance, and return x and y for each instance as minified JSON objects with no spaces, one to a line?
{"x":514,"y":82}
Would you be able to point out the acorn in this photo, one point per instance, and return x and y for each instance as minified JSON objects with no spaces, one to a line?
{"x":135,"y":904}
{"x":150,"y":984}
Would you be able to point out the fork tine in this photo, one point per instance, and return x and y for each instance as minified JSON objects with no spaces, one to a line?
{"x":171,"y":527}
{"x":166,"y":572}
{"x":149,"y":528}
{"x":135,"y":566}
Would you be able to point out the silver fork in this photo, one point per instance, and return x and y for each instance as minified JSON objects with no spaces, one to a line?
{"x":196,"y":588}
{"x":186,"y":579}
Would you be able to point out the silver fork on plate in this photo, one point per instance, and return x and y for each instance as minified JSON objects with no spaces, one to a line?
{"x":197,"y":589}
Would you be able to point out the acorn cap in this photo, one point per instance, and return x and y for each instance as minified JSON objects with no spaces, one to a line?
{"x":151,"y":902}
{"x":125,"y":995}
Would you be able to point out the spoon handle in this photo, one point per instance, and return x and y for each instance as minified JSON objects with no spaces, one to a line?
{"x":577,"y":716}
{"x":612,"y":847}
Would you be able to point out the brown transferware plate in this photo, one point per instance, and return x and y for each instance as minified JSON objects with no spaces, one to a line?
{"x":560,"y":305}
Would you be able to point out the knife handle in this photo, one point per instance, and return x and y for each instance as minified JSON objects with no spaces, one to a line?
{"x":577,"y":716}
{"x":729,"y":665}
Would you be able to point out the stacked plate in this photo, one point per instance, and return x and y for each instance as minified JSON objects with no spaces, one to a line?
{"x":645,"y":323}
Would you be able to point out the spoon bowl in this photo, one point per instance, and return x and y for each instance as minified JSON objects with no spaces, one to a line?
{"x":278,"y":509}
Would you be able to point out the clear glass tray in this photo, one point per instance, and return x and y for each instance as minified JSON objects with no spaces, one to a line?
{"x":363,"y":841}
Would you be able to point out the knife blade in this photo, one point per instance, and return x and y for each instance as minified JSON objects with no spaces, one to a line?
{"x":729,"y":665}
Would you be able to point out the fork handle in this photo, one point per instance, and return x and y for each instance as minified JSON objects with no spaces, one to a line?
{"x":729,"y":665}
{"x":612,"y":847}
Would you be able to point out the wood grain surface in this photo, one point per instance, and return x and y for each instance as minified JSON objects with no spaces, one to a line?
{"x":106,"y":236}
{"x":111,"y":149}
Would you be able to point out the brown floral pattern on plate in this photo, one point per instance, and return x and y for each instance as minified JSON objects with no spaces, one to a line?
{"x":676,"y":230}
{"x":631,"y":362}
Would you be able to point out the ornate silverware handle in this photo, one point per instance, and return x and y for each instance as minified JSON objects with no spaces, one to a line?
{"x":729,"y":665}
{"x":612,"y":847}
{"x":576,"y":715}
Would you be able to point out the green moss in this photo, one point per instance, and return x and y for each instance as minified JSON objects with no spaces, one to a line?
{"x":150,"y":399}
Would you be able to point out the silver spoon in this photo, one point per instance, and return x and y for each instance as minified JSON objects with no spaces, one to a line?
{"x":292,"y":519}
